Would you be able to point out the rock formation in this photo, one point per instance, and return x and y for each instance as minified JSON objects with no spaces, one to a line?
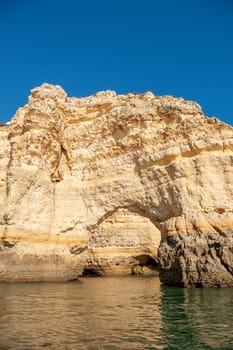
{"x":115,"y":184}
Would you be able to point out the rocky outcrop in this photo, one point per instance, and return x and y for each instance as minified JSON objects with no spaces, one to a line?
{"x":115,"y":184}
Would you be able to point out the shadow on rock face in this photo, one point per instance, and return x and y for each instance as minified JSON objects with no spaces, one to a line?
{"x":145,"y":264}
{"x":91,"y":272}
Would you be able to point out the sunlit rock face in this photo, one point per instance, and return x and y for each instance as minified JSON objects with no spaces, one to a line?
{"x":115,"y":184}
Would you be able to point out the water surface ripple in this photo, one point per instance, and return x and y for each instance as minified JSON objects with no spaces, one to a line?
{"x":114,"y":313}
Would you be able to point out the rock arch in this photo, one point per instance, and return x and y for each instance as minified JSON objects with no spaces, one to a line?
{"x":125,"y":241}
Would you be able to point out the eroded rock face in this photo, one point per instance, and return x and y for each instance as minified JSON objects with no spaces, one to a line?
{"x":115,"y":184}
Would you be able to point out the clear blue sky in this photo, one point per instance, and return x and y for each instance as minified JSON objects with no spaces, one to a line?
{"x":175,"y":47}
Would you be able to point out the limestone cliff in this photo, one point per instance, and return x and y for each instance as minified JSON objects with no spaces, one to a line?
{"x":115,"y":184}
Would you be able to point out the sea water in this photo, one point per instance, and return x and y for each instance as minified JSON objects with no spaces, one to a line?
{"x":114,"y":313}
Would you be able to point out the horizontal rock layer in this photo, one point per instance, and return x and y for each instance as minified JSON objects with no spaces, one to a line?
{"x":115,"y":184}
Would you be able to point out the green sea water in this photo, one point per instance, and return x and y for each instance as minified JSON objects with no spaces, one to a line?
{"x":114,"y":313}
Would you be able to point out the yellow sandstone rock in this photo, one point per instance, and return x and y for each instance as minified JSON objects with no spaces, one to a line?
{"x":115,"y":184}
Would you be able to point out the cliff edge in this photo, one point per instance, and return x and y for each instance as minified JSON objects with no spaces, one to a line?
{"x":115,"y":184}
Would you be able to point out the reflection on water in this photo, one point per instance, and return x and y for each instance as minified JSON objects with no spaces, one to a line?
{"x":114,"y":313}
{"x":197,"y":318}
